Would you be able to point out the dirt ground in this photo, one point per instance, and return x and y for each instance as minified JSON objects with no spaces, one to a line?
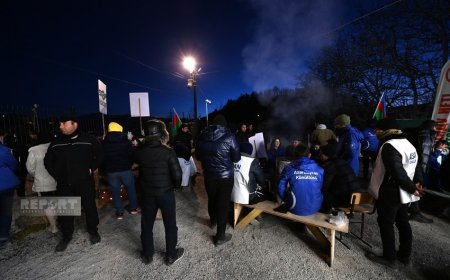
{"x":274,"y":249}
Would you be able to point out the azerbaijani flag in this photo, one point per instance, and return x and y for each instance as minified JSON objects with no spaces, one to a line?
{"x":380,"y":111}
{"x":176,"y":123}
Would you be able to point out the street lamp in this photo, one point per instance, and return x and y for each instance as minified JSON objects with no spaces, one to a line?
{"x":207,"y":101}
{"x":190,"y":64}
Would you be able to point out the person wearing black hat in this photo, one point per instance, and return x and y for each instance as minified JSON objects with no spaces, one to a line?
{"x":396,"y":181}
{"x":72,"y":159}
{"x":217,"y":150}
{"x":159,"y":175}
{"x":339,"y":179}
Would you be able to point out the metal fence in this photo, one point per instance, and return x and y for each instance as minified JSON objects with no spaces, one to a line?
{"x":18,"y":123}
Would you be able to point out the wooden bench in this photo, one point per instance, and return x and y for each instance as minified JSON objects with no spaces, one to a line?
{"x":312,"y":222}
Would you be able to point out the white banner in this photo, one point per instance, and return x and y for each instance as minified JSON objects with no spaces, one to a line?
{"x":441,"y":109}
{"x":259,"y":147}
{"x":102,"y":105}
{"x":139,"y":105}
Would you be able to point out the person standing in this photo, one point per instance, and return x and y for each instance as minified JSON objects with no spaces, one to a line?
{"x":43,"y":184}
{"x":72,"y":159}
{"x":117,"y":163}
{"x":349,"y":142}
{"x":396,"y":174}
{"x":8,"y":183}
{"x":217,"y":150}
{"x":369,"y":147}
{"x":159,"y":175}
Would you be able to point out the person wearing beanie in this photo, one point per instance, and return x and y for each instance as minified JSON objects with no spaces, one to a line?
{"x":396,"y":181}
{"x":218,"y":150}
{"x":249,"y":180}
{"x":290,"y":150}
{"x":349,"y":141}
{"x":117,"y":167}
{"x":339,"y":180}
{"x":72,"y":160}
{"x":321,"y":134}
{"x":114,"y":127}
{"x":159,"y":175}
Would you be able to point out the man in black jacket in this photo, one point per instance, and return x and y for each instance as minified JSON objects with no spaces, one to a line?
{"x":72,"y":159}
{"x":217,"y":150}
{"x":159,"y":174}
{"x":396,"y":175}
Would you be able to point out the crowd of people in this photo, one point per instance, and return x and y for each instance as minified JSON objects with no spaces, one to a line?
{"x":318,"y":175}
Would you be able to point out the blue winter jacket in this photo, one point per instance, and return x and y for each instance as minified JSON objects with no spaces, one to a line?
{"x":8,"y":164}
{"x":370,"y":142}
{"x":300,"y":186}
{"x":117,"y":150}
{"x":349,"y":145}
{"x":217,"y":150}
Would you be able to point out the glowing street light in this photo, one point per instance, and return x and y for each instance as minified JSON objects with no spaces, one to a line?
{"x":190,"y":64}
{"x":207,"y":101}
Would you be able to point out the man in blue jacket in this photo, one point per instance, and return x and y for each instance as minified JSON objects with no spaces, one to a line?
{"x":218,"y":150}
{"x":349,"y":142}
{"x":300,"y":185}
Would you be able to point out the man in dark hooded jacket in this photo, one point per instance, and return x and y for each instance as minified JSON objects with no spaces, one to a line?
{"x":397,"y":174}
{"x":217,"y":150}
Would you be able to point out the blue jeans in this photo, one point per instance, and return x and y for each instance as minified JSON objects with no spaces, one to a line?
{"x":150,"y":206}
{"x":115,"y":180}
{"x":6,"y":203}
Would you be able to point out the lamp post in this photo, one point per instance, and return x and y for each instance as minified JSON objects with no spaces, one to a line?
{"x":207,"y":101}
{"x":190,"y":64}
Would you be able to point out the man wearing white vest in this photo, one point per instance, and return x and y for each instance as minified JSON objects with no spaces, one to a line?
{"x":396,"y":182}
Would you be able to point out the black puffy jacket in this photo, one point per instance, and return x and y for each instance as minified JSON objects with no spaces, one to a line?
{"x":117,"y":150}
{"x":159,"y":169}
{"x":218,"y":150}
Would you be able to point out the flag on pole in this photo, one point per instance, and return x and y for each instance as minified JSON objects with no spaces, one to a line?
{"x":380,"y":111}
{"x":176,"y":123}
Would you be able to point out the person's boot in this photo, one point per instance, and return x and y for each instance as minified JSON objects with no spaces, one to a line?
{"x":62,"y":245}
{"x":222,"y":240}
{"x":381,"y":260}
{"x":94,"y":238}
{"x":172,"y":260}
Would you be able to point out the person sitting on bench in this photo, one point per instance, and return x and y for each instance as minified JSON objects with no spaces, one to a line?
{"x":300,"y":185}
{"x":249,"y":179}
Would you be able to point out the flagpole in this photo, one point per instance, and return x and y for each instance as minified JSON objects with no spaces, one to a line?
{"x":376,"y":108}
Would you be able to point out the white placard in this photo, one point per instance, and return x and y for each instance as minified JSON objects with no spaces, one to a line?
{"x":139,"y":105}
{"x":102,"y":105}
{"x":259,"y":148}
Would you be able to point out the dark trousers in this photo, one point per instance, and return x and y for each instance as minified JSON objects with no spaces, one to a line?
{"x":388,"y":214}
{"x":219,"y":196}
{"x":6,"y":205}
{"x":87,"y":192}
{"x":150,"y":206}
{"x":368,"y":158}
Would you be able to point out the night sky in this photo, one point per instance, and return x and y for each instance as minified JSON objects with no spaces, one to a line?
{"x":55,"y":51}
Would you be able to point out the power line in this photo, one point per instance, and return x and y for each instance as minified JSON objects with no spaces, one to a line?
{"x":357,"y":19}
{"x":92,"y":72}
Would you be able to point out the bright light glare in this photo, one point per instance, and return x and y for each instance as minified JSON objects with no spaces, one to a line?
{"x":189,"y":63}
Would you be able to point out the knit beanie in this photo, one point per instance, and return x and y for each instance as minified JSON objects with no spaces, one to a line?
{"x":343,"y":120}
{"x":114,"y":127}
{"x":386,"y":124}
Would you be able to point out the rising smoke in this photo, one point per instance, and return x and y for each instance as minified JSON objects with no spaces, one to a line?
{"x":287,"y":33}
